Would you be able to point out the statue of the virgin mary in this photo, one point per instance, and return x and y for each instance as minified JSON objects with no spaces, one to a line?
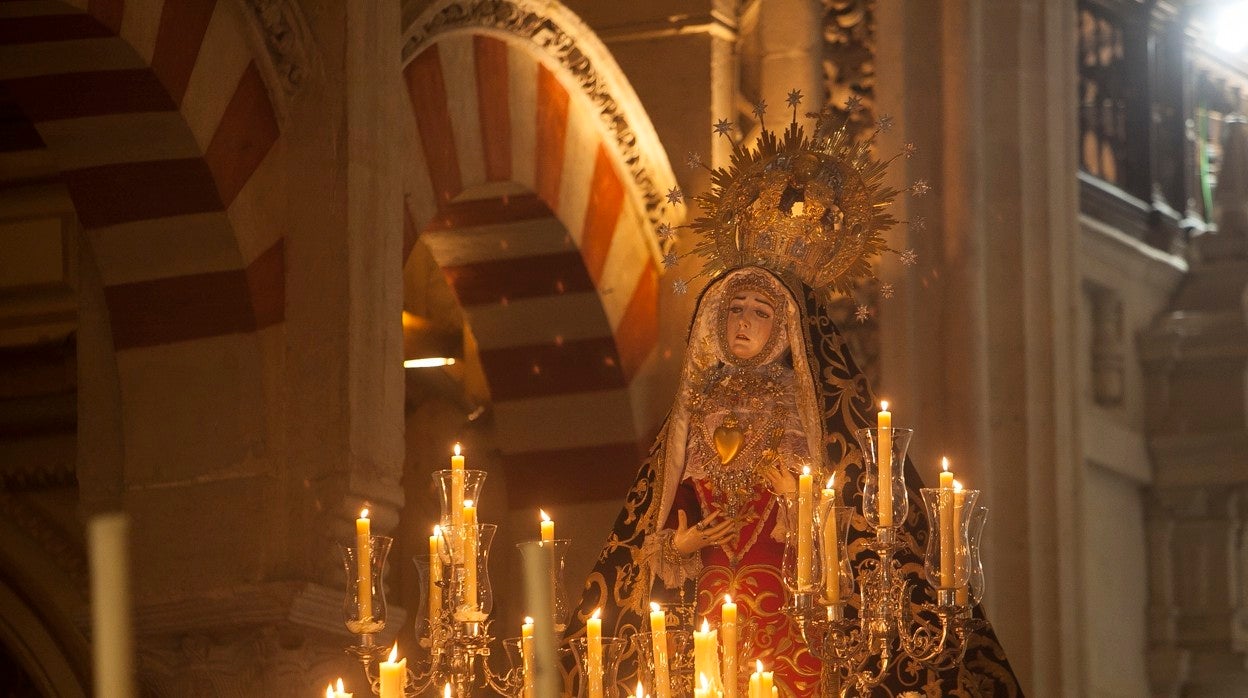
{"x":767,"y":387}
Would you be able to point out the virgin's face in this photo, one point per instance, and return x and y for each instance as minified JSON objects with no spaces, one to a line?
{"x":751,"y":319}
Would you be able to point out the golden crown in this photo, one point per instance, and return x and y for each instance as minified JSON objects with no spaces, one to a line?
{"x":814,"y":206}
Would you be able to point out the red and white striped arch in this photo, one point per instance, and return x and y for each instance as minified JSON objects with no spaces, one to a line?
{"x":161,"y":130}
{"x":518,"y":189}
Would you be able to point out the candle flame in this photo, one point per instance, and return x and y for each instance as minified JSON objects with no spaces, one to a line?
{"x":832,"y":482}
{"x":727,"y":598}
{"x":437,"y":531}
{"x":758,"y":665}
{"x":457,"y":449}
{"x":467,"y":503}
{"x":545,"y":517}
{"x":883,"y":405}
{"x":944,"y":463}
{"x":528,"y":620}
{"x":639,"y":689}
{"x":706,"y":683}
{"x":340,"y":688}
{"x":706,"y":626}
{"x":329,"y":691}
{"x":805,"y":469}
{"x":363,"y":513}
{"x":447,"y":690}
{"x":654,"y":607}
{"x":394,"y":653}
{"x":596,"y":614}
{"x":957,"y":486}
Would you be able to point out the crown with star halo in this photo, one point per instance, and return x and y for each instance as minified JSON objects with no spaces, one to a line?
{"x":815,"y":206}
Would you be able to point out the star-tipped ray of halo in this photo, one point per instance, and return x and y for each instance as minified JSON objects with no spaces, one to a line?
{"x":886,"y":290}
{"x":665,"y":231}
{"x":680,"y":287}
{"x":723,"y":127}
{"x":794,"y":100}
{"x":909,"y":257}
{"x":920,"y":187}
{"x":670,"y":260}
{"x":760,"y":110}
{"x":675,"y":196}
{"x":862,"y":313}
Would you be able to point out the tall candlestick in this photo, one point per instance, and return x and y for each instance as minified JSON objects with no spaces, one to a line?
{"x":593,"y":652}
{"x":959,"y":554}
{"x":435,"y":575}
{"x":946,"y":525}
{"x":364,"y":567}
{"x":805,"y":526}
{"x":393,"y":675}
{"x":548,"y":527}
{"x":457,"y":487}
{"x":706,"y":654}
{"x":728,"y":636}
{"x":526,"y":656}
{"x":658,"y":637}
{"x":884,"y":456}
{"x":831,"y":543}
{"x":469,"y":530}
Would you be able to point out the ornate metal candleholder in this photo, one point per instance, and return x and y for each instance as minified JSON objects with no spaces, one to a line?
{"x":859,"y":652}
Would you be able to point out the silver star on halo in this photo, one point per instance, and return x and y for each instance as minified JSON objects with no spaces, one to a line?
{"x":675,"y":196}
{"x":862,"y":314}
{"x":919,"y":224}
{"x":665,"y":231}
{"x":909,"y":150}
{"x":795,"y":98}
{"x":920,"y":187}
{"x":680,"y":287}
{"x":909,"y":258}
{"x":694,"y":160}
{"x":886,"y":290}
{"x":760,"y":108}
{"x":884,"y":123}
{"x":853,"y":104}
{"x":670,"y":260}
{"x":723,"y":127}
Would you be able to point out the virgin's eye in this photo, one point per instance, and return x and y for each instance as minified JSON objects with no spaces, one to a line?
{"x":734,"y":309}
{"x":762,"y":313}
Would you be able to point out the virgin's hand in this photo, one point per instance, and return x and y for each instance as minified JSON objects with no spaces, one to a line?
{"x":781,"y":480}
{"x":713,"y":530}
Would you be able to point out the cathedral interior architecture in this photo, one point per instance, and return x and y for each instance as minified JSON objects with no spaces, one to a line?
{"x":265,"y":263}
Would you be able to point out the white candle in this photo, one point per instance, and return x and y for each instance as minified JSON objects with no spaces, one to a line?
{"x":526,"y":656}
{"x":593,"y":651}
{"x":457,"y":487}
{"x":393,"y":675}
{"x":435,"y":575}
{"x":548,"y":527}
{"x":112,"y":649}
{"x":884,"y":456}
{"x":658,"y":635}
{"x":831,"y":543}
{"x":469,"y":554}
{"x":728,"y":636}
{"x":805,"y":527}
{"x":364,"y":567}
{"x":946,"y":525}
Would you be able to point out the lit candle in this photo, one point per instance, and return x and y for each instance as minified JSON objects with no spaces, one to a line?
{"x":446,"y":690}
{"x":884,"y":456}
{"x":469,"y":530}
{"x":805,"y":526}
{"x":640,"y":690}
{"x":767,"y":687}
{"x":393,"y":675}
{"x":329,"y":691}
{"x":364,"y":568}
{"x":706,"y":654}
{"x":959,"y":559}
{"x":526,"y":655}
{"x":457,"y":487}
{"x":756,"y":680}
{"x":728,"y":636}
{"x":340,"y":692}
{"x":703,"y":689}
{"x":548,"y":527}
{"x":945,"y":501}
{"x":435,"y":575}
{"x":831,"y":543}
{"x":658,"y":637}
{"x":593,"y":652}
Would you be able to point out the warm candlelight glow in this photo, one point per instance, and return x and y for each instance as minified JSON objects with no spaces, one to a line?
{"x":758,"y":665}
{"x":457,"y":450}
{"x":437,"y":531}
{"x":805,"y":469}
{"x":528,"y":620}
{"x":596,"y":614}
{"x":468,"y":503}
{"x":654,"y":607}
{"x":545,"y":516}
{"x":363,"y":513}
{"x":329,"y":691}
{"x":944,"y":463}
{"x":394,"y":653}
{"x":957,"y":486}
{"x":706,"y":626}
{"x":446,"y":691}
{"x":884,"y":405}
{"x":340,"y":688}
{"x":831,"y":482}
